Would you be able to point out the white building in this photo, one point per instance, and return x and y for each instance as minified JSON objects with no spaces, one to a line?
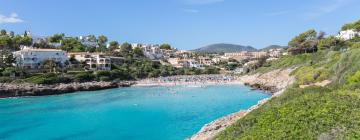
{"x":276,"y":53}
{"x":217,"y":59}
{"x":87,"y":41}
{"x":31,"y":58}
{"x":94,"y":61}
{"x":191,"y":63}
{"x":246,"y":55}
{"x":206,"y":61}
{"x":150,"y":51}
{"x":348,"y":34}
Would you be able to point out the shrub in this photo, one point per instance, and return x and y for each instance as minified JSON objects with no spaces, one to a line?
{"x":354,"y":78}
{"x":5,"y":79}
{"x":49,"y":78}
{"x":84,"y":77}
{"x":8,"y":71}
{"x":103,"y":73}
{"x":309,"y":74}
{"x":104,"y":78}
{"x":347,"y":65}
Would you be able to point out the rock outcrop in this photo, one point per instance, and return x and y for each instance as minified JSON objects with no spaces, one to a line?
{"x":27,"y":89}
{"x":272,"y":81}
{"x":211,"y":129}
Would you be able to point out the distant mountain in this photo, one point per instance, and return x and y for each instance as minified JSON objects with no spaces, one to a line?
{"x":272,"y":47}
{"x":224,"y":48}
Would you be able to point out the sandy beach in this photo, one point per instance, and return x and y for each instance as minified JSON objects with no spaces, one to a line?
{"x":193,"y":80}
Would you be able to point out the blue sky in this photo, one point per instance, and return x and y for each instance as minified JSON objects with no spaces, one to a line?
{"x":185,"y":24}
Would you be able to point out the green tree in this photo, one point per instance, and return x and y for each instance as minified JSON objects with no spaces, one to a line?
{"x":113,"y":45}
{"x":327,"y":43}
{"x":3,"y":32}
{"x":19,"y":40}
{"x":165,"y":47}
{"x":6,"y":42}
{"x":125,"y":49}
{"x":79,"y":48}
{"x":68,"y":44}
{"x":90,"y":49}
{"x":304,"y":43}
{"x":349,"y":26}
{"x":9,"y":59}
{"x":6,"y":59}
{"x":56,"y":38}
{"x":101,"y":48}
{"x":102,"y":40}
{"x":91,"y":38}
{"x":138,"y":52}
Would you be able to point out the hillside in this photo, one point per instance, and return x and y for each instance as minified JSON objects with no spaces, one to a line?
{"x":309,"y":112}
{"x":272,"y":47}
{"x":308,"y":109}
{"x":224,"y":48}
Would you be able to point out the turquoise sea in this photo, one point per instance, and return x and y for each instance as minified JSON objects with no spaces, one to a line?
{"x":135,"y":113}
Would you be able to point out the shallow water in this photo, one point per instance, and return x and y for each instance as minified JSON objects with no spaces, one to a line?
{"x":136,"y":113}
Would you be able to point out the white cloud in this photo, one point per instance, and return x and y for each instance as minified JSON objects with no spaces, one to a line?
{"x":191,"y":11}
{"x":202,"y":2}
{"x":12,"y":18}
{"x":328,"y":8}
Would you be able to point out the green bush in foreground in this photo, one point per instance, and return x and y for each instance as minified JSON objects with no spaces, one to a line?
{"x":331,"y":112}
{"x":354,"y":78}
{"x":308,"y":74}
{"x":310,"y":113}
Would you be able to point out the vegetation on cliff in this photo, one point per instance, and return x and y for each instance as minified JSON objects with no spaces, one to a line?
{"x":310,"y":112}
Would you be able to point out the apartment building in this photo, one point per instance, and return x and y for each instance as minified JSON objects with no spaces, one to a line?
{"x":94,"y":61}
{"x":30,"y":58}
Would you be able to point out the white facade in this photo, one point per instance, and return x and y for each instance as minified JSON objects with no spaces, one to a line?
{"x":348,"y":34}
{"x":85,"y":40}
{"x":275,"y":53}
{"x":246,"y":55}
{"x":30,"y":58}
{"x":150,"y":51}
{"x":94,"y":61}
{"x":206,"y":61}
{"x":192,"y":64}
{"x":217,"y":60}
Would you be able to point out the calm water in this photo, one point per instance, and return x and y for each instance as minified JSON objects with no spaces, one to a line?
{"x":137,"y":113}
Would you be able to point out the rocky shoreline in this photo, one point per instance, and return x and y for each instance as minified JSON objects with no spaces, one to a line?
{"x":275,"y":82}
{"x":27,"y":89}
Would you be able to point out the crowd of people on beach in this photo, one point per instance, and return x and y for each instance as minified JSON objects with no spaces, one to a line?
{"x":190,"y":79}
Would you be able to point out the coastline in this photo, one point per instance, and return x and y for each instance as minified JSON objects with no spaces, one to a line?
{"x":275,"y":82}
{"x":28,"y":89}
